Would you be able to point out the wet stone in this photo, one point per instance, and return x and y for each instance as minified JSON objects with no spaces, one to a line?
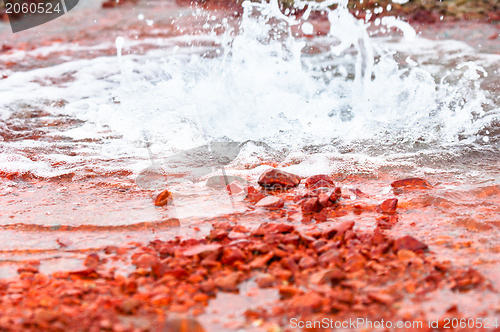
{"x":271,"y":202}
{"x":202,"y":249}
{"x":228,"y":283}
{"x":319,"y":181}
{"x":408,"y":243}
{"x":276,"y":179}
{"x":254,"y":195}
{"x":265,"y":280}
{"x":311,"y":205}
{"x":409,"y":183}
{"x":163,"y":198}
{"x":231,"y":255}
{"x":182,"y":324}
{"x":389,"y":205}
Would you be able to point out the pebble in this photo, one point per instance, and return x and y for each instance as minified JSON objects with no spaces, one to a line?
{"x":277,"y":179}
{"x":319,"y":181}
{"x":163,"y":198}
{"x":389,"y":205}
{"x":408,"y":243}
{"x":271,"y":202}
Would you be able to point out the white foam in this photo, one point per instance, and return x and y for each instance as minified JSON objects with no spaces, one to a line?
{"x":264,"y":86}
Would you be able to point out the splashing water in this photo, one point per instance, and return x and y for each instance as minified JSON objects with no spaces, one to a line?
{"x":373,"y":100}
{"x":259,"y":80}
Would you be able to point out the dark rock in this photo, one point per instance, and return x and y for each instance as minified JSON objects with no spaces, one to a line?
{"x":311,"y":205}
{"x":276,"y":179}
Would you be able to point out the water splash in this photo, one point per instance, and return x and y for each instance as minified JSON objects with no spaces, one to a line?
{"x":258,"y":82}
{"x":258,"y":78}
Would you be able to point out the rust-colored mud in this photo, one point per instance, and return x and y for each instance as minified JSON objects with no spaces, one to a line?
{"x":365,"y":253}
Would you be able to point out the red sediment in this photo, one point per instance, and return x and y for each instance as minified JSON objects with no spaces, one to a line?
{"x":330,"y":273}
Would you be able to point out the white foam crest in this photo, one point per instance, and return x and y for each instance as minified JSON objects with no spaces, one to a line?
{"x":259,"y":83}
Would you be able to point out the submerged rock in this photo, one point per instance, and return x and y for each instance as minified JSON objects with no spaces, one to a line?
{"x":271,"y":202}
{"x":411,"y":183}
{"x":319,"y":181}
{"x":311,"y":205}
{"x":220,"y":181}
{"x":163,"y":198}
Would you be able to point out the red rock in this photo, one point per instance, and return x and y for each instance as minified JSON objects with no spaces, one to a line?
{"x":228,"y":283}
{"x":389,"y":205}
{"x":324,"y":200}
{"x":271,"y":202}
{"x":335,"y":194}
{"x":235,"y":188}
{"x":493,"y":36}
{"x":201,"y":249}
{"x":28,"y":269}
{"x":383,"y":298}
{"x":409,"y":243}
{"x":254,"y":195}
{"x":182,"y":324}
{"x":261,"y":261}
{"x":338,"y":230}
{"x":92,"y":261}
{"x":282,"y":274}
{"x":276,"y":179}
{"x":466,"y":279}
{"x":319,"y":181}
{"x":45,"y":315}
{"x":64,"y":241}
{"x":293,"y":239}
{"x":145,"y":260}
{"x":386,"y":222}
{"x":311,"y":205}
{"x":265,"y":280}
{"x":163,"y":198}
{"x":310,"y":302}
{"x":85,"y":274}
{"x":288,"y":291}
{"x":411,"y":183}
{"x":359,"y":193}
{"x":355,"y":262}
{"x":218,"y":234}
{"x":231,"y":255}
{"x":266,"y":229}
{"x":307,"y":262}
{"x":327,"y":276}
{"x":208,"y":286}
{"x":128,"y":306}
{"x":130,"y":287}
